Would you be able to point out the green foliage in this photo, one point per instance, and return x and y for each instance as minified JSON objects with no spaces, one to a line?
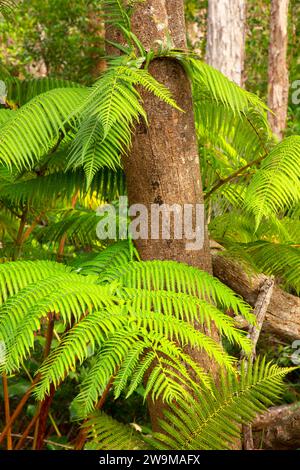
{"x":212,"y":421}
{"x":59,"y":38}
{"x":36,"y":128}
{"x":142,"y":316}
{"x":200,"y":421}
{"x":121,"y":320}
{"x":105,"y":433}
{"x":109,"y":112}
{"x":7,"y":7}
{"x":276,"y":186}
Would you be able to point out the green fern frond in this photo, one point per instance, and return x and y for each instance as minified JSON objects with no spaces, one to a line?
{"x":21,"y":92}
{"x":35,"y":128}
{"x":7,"y":7}
{"x":105,"y":433}
{"x":5,"y":115}
{"x":79,"y":225}
{"x":276,"y":185}
{"x":187,"y":308}
{"x":209,"y":82}
{"x":117,"y":254}
{"x":17,"y":275}
{"x":39,"y":190}
{"x":109,"y":113}
{"x":115,"y":13}
{"x":273,"y":259}
{"x":211,"y":421}
{"x":21,"y":316}
{"x":181,"y":278}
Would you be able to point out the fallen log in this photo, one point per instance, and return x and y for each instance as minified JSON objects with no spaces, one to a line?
{"x":282,"y":321}
{"x":278,"y":428}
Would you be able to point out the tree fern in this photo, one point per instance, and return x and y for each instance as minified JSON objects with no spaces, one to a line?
{"x":109,"y":113}
{"x":37,"y":125}
{"x":112,"y":317}
{"x":15,"y":276}
{"x":180,"y":278}
{"x":106,"y":433}
{"x":200,"y":421}
{"x":212,"y":421}
{"x":276,"y":185}
{"x":45,"y":190}
{"x":21,"y":92}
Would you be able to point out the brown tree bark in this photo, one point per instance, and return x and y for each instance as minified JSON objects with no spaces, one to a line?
{"x":278,"y":428}
{"x":226,"y":37}
{"x":278,"y":70}
{"x":282,"y":322}
{"x":163,"y":166}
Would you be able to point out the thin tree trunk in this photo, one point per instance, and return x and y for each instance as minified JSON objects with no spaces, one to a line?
{"x":278,"y":70}
{"x":163,"y":167}
{"x":226,"y":37}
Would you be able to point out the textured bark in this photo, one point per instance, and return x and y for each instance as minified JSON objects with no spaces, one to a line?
{"x":260,"y":311}
{"x":163,"y":167}
{"x":282,"y":322}
{"x":278,"y":428}
{"x":226,"y":37}
{"x":278,"y":69}
{"x":164,"y":164}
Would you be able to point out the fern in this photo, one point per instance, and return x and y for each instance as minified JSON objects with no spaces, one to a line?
{"x":6,"y":7}
{"x":199,"y":421}
{"x":105,"y":433}
{"x":276,"y":186}
{"x":110,"y":319}
{"x":35,"y":128}
{"x":15,"y":276}
{"x":273,"y":259}
{"x":21,"y":92}
{"x":212,"y":421}
{"x":42,"y":190}
{"x":109,"y":113}
{"x":180,"y":278}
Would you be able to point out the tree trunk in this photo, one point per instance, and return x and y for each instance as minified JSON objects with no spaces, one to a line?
{"x":278,"y":428}
{"x":226,"y":37}
{"x":278,"y":70}
{"x":163,"y":167}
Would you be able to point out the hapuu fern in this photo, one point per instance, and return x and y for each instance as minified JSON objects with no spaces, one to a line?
{"x":143,"y":315}
{"x":199,"y":421}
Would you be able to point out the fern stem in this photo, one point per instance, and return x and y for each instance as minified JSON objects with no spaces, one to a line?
{"x":18,"y":410}
{"x":19,"y":239}
{"x":7,"y":409}
{"x":234,"y":175}
{"x":25,"y":434}
{"x":79,"y":444}
{"x":30,"y":229}
{"x":43,"y":411}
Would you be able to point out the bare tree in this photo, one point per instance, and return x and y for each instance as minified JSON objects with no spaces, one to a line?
{"x":226,"y":37}
{"x":278,"y":69}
